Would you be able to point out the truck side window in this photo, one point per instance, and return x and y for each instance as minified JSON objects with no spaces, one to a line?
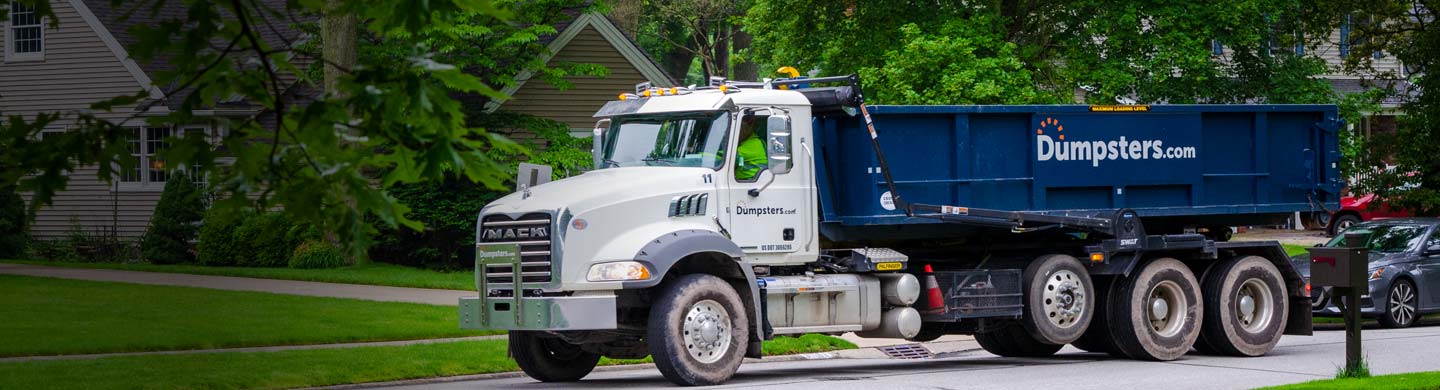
{"x":750,"y":154}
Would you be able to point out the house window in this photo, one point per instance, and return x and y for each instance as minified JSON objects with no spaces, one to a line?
{"x":1345,"y":37}
{"x":1216,"y":48}
{"x":150,"y":172}
{"x":24,"y":36}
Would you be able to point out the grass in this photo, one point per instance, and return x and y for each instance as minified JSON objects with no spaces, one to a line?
{"x":378,"y":274}
{"x":302,"y":368}
{"x":1292,"y":249}
{"x":1411,"y":381}
{"x":44,"y":316}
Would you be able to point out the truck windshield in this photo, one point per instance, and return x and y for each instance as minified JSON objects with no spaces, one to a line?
{"x":1385,"y":238}
{"x":675,"y":140}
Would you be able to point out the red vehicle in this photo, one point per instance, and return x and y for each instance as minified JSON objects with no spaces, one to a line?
{"x":1357,"y":209}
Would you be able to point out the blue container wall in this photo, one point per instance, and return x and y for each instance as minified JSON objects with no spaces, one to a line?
{"x":1169,"y":161}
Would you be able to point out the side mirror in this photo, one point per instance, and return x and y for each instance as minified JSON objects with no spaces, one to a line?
{"x":777,"y":148}
{"x":597,"y":142}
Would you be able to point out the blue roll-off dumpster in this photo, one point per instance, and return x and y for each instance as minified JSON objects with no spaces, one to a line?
{"x":1178,"y":166}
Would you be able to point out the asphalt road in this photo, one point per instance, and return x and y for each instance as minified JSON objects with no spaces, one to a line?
{"x":1296,"y":359}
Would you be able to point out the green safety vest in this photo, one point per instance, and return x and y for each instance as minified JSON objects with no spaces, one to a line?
{"x":750,"y":158}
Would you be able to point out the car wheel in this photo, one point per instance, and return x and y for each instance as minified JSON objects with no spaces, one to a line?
{"x":1343,"y":222}
{"x":1400,"y":305}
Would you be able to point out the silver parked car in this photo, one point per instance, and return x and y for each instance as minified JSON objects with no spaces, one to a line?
{"x":1404,"y":271}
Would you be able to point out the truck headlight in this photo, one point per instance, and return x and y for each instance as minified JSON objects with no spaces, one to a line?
{"x":617,"y":271}
{"x":1376,"y":273}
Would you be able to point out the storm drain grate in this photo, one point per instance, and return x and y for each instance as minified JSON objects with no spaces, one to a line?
{"x":907,"y":351}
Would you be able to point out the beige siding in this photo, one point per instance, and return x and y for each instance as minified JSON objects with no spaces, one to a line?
{"x":78,"y":69}
{"x":576,"y":105}
{"x":1330,"y":52}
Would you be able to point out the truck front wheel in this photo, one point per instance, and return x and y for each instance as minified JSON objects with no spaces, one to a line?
{"x":550,"y":359}
{"x":698,"y":331}
{"x":1155,"y":314}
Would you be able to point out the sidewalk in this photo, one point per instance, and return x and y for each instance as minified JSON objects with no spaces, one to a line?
{"x":292,"y":287}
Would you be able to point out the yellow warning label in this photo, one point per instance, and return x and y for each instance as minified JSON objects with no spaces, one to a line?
{"x":1119,"y":108}
{"x":891,"y":266}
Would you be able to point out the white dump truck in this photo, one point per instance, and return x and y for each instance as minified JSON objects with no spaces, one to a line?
{"x":719,"y":217}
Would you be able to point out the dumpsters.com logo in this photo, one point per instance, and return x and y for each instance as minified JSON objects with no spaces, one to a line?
{"x":1095,"y":151}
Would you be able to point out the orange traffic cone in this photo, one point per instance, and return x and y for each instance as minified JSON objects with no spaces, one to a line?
{"x":934,"y":299}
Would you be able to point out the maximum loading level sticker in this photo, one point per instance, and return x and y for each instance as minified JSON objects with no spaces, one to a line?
{"x":887,"y":202}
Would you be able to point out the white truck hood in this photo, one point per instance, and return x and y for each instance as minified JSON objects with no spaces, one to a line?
{"x":603,"y":187}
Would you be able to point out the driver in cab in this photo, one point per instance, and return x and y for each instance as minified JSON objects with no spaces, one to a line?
{"x":750,"y":155}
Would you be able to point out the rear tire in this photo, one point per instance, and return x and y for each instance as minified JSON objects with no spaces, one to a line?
{"x":1246,"y":307}
{"x":698,"y":331}
{"x":1097,"y":337}
{"x":550,"y":359}
{"x":1011,"y":340}
{"x":1156,"y":313}
{"x":1059,"y":299}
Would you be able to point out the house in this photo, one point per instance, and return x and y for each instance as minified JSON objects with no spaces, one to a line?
{"x":66,"y":68}
{"x":83,"y":60}
{"x":590,"y":38}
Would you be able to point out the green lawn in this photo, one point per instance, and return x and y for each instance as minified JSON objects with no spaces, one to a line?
{"x":379,"y":274}
{"x":1292,"y":249}
{"x":1412,"y":381}
{"x":303,"y":368}
{"x":44,"y":316}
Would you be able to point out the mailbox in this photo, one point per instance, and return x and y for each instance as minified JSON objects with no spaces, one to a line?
{"x":1338,"y":267}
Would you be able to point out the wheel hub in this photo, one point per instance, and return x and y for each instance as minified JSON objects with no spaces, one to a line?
{"x":1254,"y":306}
{"x":1247,"y":308}
{"x":1402,"y":304}
{"x":1159,"y":309}
{"x":707,"y":331}
{"x":1064,"y":299}
{"x":1168,"y":310}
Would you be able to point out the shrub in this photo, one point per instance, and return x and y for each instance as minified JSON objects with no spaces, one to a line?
{"x":448,"y":208}
{"x":268,"y":239}
{"x":14,"y":226}
{"x":314,"y":254}
{"x":219,"y":246}
{"x":174,"y":224}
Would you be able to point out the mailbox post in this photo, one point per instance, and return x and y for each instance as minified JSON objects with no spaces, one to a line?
{"x":1343,"y":269}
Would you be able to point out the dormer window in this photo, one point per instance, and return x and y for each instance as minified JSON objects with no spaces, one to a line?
{"x":24,"y":35}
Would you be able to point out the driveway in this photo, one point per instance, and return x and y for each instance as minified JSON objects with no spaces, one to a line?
{"x":1297,"y":359}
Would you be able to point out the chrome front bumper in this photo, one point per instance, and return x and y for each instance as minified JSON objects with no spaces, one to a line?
{"x":588,"y":312}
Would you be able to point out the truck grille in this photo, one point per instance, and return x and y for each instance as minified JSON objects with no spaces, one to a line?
{"x":532,"y":231}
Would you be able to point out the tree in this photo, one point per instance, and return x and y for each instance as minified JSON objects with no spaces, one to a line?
{"x":1402,"y":167}
{"x":682,"y":31}
{"x":1145,"y":52}
{"x":175,"y":223}
{"x":14,"y":225}
{"x":966,"y":62}
{"x":399,"y":114}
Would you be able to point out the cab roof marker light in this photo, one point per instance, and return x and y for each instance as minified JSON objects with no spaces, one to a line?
{"x":641,"y":87}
